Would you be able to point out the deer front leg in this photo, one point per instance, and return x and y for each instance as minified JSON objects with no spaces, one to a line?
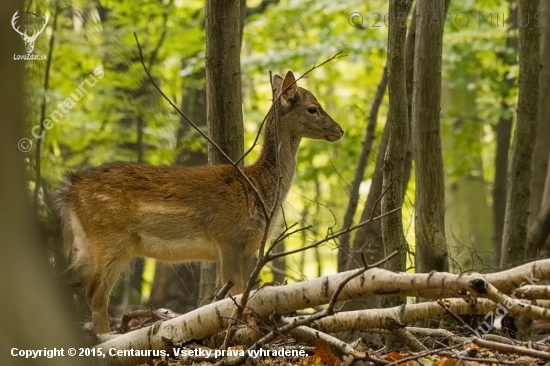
{"x":231,"y":260}
{"x":245,"y":270}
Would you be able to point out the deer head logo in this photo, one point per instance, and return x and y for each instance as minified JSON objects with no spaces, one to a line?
{"x":29,"y":40}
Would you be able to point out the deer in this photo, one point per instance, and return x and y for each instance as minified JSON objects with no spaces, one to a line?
{"x":117,"y":211}
{"x":29,"y":40}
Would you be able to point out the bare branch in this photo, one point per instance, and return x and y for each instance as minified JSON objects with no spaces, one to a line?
{"x":223,"y":291}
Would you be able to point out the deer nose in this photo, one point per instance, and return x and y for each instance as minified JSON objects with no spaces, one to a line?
{"x":341,"y":130}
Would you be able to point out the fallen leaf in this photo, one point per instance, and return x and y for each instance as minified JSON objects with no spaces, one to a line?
{"x":449,"y":362}
{"x":323,"y":351}
{"x":394,"y":356}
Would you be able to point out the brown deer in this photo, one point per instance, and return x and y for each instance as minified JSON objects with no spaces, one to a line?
{"x":118,"y":211}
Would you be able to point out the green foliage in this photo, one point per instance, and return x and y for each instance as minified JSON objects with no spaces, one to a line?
{"x":291,"y":35}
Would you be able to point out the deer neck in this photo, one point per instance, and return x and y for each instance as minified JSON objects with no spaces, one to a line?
{"x":277,"y":159}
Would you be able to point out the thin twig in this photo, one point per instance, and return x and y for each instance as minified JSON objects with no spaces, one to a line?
{"x":223,"y":291}
{"x":37,"y":155}
{"x":283,"y":236}
{"x":416,"y":356}
{"x":333,"y":236}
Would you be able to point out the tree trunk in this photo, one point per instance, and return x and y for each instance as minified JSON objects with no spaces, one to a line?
{"x":193,"y":104}
{"x":393,"y":169}
{"x":540,"y":230}
{"x":503,"y":131}
{"x":542,"y":146}
{"x":223,"y":79}
{"x":36,"y":312}
{"x":431,"y":246}
{"x":546,"y":201}
{"x":368,"y":239}
{"x":224,"y":23}
{"x":344,"y":253}
{"x":519,"y":173}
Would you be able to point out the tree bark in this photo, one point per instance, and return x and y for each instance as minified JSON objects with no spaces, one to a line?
{"x":193,"y":104}
{"x":540,"y":230}
{"x":392,"y":226}
{"x":503,"y":131}
{"x":35,"y":308}
{"x":224,"y":24}
{"x":213,"y":318}
{"x":519,"y":172}
{"x":431,"y":246}
{"x":368,"y":239}
{"x":344,"y":253}
{"x":542,"y":146}
{"x":394,"y":160}
{"x":223,"y":79}
{"x":546,"y":201}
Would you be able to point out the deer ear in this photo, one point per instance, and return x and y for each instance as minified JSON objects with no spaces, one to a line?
{"x":288,"y":94}
{"x":277,"y":83}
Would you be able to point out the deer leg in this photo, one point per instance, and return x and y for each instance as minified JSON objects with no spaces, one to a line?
{"x":230,"y":268}
{"x":107,"y":270}
{"x":245,"y":270}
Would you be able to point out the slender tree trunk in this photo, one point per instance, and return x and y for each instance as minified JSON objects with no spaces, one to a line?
{"x":279,"y":265}
{"x":224,"y":24}
{"x":519,"y":173}
{"x":223,"y":79}
{"x":431,"y":246}
{"x":344,"y":254}
{"x":546,"y":201}
{"x":38,"y":148}
{"x":393,"y":169}
{"x":503,"y":132}
{"x":542,"y":146}
{"x":540,"y":230}
{"x":368,"y":239}
{"x":538,"y":238}
{"x":193,"y":104}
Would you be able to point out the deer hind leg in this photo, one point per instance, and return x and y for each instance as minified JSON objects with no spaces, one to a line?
{"x":108,"y":265}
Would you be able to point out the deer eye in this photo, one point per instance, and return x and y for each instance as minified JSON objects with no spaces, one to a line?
{"x":312,"y":110}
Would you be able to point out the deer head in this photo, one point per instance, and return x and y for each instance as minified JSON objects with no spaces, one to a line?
{"x":303,"y":115}
{"x":29,"y":40}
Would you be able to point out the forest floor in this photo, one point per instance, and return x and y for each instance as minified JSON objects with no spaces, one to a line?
{"x":321,"y":353}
